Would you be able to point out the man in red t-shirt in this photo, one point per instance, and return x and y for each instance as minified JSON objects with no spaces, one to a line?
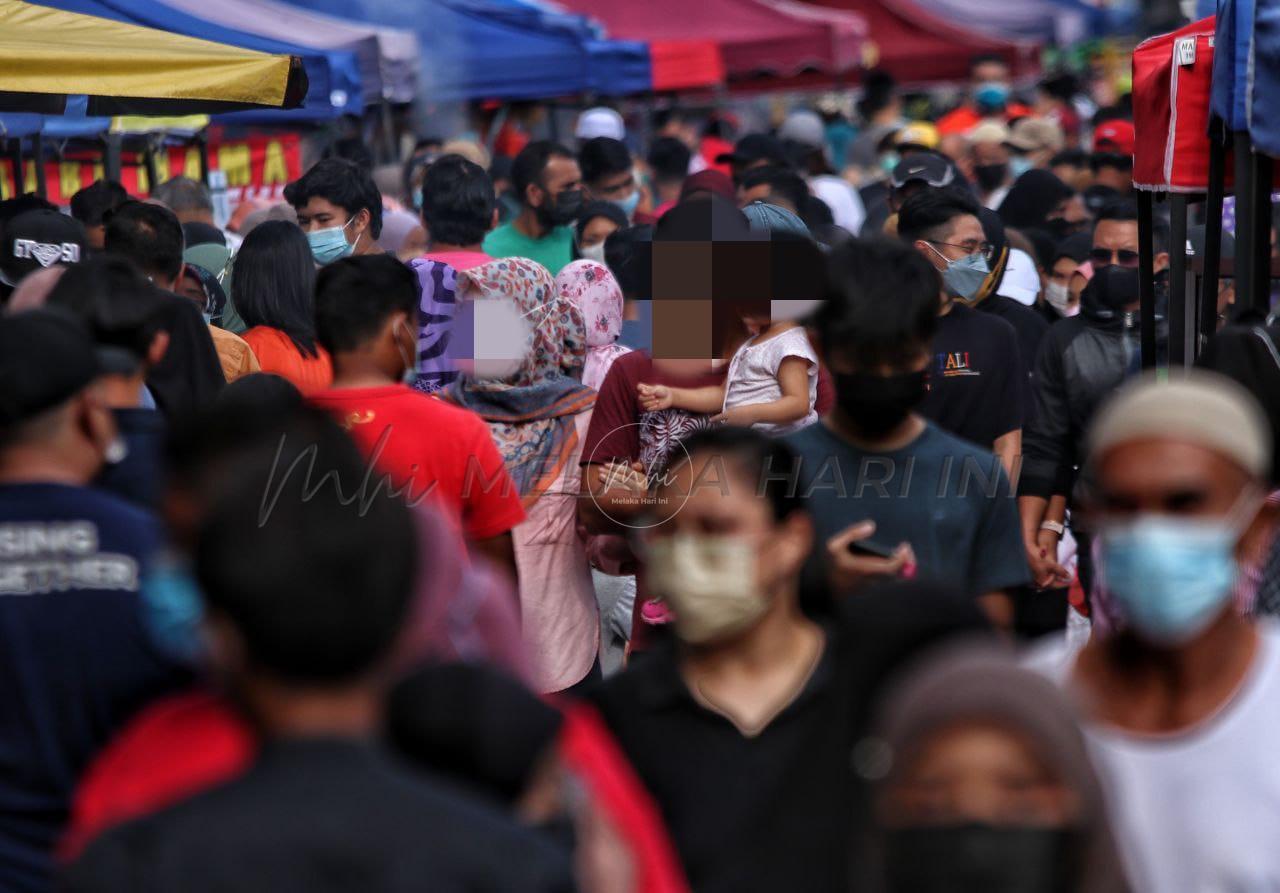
{"x":366,"y":317}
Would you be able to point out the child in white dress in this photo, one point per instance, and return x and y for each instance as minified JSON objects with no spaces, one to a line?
{"x":771,"y":384}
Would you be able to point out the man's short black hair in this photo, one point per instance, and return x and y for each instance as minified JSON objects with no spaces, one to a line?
{"x":669,"y":159}
{"x":531,"y":164}
{"x":1116,"y":160}
{"x":95,"y":202}
{"x":927,"y":213}
{"x":758,"y":458}
{"x":316,"y":583}
{"x":1126,"y":210}
{"x":602,"y":157}
{"x":183,"y":194}
{"x":149,"y":235}
{"x":985,"y":58}
{"x":782,"y":182}
{"x":1073,"y":157}
{"x":342,"y":183}
{"x":882,"y":303}
{"x":118,"y":305}
{"x":457,"y":201}
{"x":355,"y":295}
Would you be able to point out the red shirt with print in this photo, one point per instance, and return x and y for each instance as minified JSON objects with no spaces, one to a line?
{"x":430,"y":449}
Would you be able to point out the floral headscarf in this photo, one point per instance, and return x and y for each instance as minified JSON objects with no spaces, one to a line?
{"x":435,"y":322}
{"x":530,"y":413}
{"x":590,"y":286}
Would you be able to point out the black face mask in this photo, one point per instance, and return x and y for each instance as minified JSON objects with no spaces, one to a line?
{"x":990,"y":176}
{"x":876,"y":404}
{"x":979,"y":858}
{"x":562,"y":210}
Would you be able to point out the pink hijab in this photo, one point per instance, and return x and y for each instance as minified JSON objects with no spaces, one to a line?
{"x":591,"y":287}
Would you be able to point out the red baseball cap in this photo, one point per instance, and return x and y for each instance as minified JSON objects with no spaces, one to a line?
{"x":1115,"y":136}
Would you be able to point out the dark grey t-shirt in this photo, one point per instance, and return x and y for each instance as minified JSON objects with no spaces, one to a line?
{"x":946,"y":497}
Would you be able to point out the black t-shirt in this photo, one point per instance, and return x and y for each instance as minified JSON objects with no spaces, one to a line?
{"x":777,"y":810}
{"x":75,"y":659}
{"x":976,"y":388}
{"x":139,"y":475}
{"x":321,"y":815}
{"x":1030,"y":327}
{"x":769,"y":812}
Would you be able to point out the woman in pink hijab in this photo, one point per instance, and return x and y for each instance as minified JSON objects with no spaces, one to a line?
{"x":590,"y":286}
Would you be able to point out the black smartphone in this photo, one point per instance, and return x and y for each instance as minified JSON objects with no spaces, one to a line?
{"x":867,"y":547}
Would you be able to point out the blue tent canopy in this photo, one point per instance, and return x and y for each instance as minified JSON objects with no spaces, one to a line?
{"x":503,"y":49}
{"x":333,"y":75}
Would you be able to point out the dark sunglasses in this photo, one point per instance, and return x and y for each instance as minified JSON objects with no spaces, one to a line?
{"x":1102,"y":257}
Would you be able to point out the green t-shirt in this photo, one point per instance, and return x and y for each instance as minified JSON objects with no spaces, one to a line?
{"x":553,"y":251}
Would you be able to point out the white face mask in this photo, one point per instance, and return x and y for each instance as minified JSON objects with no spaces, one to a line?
{"x":1059,"y":298}
{"x":593,"y":252}
{"x":710,"y":582}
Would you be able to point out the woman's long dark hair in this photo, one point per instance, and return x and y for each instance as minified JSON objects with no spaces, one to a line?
{"x":275,"y":282}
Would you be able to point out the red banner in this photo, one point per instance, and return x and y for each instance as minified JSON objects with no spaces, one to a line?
{"x":257,"y":168}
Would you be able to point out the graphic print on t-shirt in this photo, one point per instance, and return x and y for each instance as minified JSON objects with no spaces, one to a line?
{"x":955,"y":363}
{"x":39,"y":557}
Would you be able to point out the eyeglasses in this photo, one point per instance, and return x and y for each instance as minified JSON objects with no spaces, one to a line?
{"x":1103,"y":257}
{"x":986,"y":249}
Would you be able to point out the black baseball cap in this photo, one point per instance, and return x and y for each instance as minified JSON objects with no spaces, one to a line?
{"x":928,"y":167}
{"x":46,"y":357}
{"x":40,"y":238}
{"x":757,"y":147}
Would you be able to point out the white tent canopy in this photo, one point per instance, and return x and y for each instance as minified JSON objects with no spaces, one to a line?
{"x":388,"y":57}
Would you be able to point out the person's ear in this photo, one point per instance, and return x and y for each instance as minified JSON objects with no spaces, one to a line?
{"x":795,"y":542}
{"x":362,"y":220}
{"x":493,"y":218}
{"x":1256,"y":542}
{"x":1161,"y":261}
{"x":96,"y":422}
{"x":534,"y":195}
{"x":158,"y":348}
{"x":228,"y":654}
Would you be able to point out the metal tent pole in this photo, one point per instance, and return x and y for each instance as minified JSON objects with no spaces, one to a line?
{"x":1146,"y":279}
{"x":1208,"y":317}
{"x":1181,"y":310}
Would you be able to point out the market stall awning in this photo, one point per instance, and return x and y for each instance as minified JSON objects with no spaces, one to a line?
{"x":388,"y":57}
{"x":755,"y":37}
{"x":48,"y":54}
{"x":489,"y":49}
{"x":916,"y":46}
{"x":333,"y":76}
{"x":1047,"y":21}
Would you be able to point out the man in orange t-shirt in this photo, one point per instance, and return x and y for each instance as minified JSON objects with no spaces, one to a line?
{"x":988,"y":97}
{"x":366,"y":316}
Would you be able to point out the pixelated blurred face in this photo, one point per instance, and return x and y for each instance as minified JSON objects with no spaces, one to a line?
{"x":976,"y":772}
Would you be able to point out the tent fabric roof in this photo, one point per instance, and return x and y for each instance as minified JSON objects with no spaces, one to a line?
{"x":388,"y":57}
{"x":916,"y":46}
{"x":754,"y":36}
{"x":48,"y":54}
{"x":333,"y":75}
{"x":1063,"y":21}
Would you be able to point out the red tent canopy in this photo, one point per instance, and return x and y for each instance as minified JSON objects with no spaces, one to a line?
{"x":754,"y":36}
{"x":914,"y":45}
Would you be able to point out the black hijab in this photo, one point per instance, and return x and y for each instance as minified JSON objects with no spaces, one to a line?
{"x":1032,"y":199}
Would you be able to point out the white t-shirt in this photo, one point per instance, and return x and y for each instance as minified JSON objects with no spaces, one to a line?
{"x":843,"y":200}
{"x":753,"y":376}
{"x":1199,"y":811}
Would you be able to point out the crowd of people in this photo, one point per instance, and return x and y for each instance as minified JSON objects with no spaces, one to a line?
{"x":778,"y":510}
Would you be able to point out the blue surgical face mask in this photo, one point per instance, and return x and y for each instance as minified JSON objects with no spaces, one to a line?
{"x":1018,"y":166}
{"x":330,"y":244}
{"x":1170,"y":577}
{"x":628,"y":205}
{"x":888,"y":161}
{"x":173,"y":610}
{"x":964,"y":277}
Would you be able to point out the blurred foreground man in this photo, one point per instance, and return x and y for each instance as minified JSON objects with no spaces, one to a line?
{"x":1181,"y":702}
{"x":303,"y":624}
{"x":75,"y":660}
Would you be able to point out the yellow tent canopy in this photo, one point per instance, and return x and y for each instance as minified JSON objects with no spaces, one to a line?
{"x":48,"y":54}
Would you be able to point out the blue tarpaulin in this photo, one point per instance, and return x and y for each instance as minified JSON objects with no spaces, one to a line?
{"x":502,"y":49}
{"x":1264,"y":99}
{"x":1232,"y":48}
{"x":333,"y":75}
